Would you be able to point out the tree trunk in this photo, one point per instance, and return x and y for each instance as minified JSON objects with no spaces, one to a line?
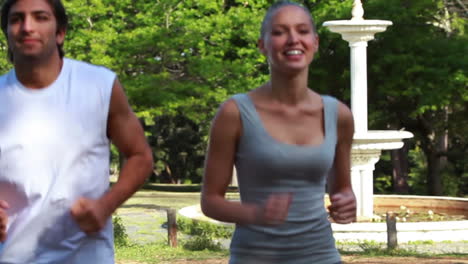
{"x":434,"y":179}
{"x":400,"y":167}
{"x":436,"y":148}
{"x":400,"y":170}
{"x":434,"y":143}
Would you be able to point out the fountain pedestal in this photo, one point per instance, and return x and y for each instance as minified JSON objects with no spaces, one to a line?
{"x":367,"y":145}
{"x":365,"y":153}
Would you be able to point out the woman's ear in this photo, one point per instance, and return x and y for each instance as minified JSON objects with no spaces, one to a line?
{"x":261,"y":46}
{"x":317,"y":42}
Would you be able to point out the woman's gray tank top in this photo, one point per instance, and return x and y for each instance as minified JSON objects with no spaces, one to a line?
{"x":265,"y":166}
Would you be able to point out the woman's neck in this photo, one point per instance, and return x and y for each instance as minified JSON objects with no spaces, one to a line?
{"x":289,"y":89}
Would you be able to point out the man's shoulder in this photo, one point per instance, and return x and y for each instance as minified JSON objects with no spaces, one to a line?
{"x":86,"y":66}
{"x":3,"y":78}
{"x":91,"y":72}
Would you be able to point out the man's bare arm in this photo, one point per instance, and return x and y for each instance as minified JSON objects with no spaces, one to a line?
{"x":126,"y":133}
{"x":3,"y":220}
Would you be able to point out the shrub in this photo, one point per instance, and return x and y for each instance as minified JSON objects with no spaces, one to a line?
{"x":203,"y":228}
{"x":120,"y":234}
{"x":204,"y":234}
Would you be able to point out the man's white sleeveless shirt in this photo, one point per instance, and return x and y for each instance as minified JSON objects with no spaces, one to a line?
{"x":53,"y":150}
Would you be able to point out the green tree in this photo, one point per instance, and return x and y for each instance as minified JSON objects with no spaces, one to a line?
{"x":178,"y":59}
{"x":418,"y":80}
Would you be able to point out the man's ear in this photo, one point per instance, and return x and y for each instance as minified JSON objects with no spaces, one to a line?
{"x":60,"y":36}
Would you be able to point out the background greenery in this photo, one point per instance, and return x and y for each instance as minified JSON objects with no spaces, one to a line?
{"x":178,"y":60}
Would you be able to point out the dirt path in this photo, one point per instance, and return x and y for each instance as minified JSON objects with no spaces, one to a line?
{"x":405,"y":260}
{"x":143,"y":223}
{"x":346,"y":260}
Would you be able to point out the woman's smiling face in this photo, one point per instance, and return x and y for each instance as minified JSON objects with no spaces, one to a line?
{"x":289,"y":40}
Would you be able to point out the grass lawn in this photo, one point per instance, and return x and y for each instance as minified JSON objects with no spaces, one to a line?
{"x":144,"y":217}
{"x":161,"y":253}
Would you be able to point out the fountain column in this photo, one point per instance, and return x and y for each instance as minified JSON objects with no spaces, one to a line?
{"x":367,"y":145}
{"x":359,"y":83}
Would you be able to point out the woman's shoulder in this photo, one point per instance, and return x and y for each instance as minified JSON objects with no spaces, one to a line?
{"x":226,"y":124}
{"x":344,"y":112}
{"x":229,"y":111}
{"x":344,"y":115}
{"x":345,"y":121}
{"x":230,"y":106}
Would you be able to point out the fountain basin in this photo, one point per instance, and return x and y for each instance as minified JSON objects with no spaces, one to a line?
{"x":380,"y":139}
{"x":358,"y":23}
{"x":358,"y":30}
{"x":436,"y":231}
{"x":407,"y":232}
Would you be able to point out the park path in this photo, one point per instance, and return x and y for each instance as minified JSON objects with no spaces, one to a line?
{"x":144,"y":223}
{"x":147,"y":225}
{"x":346,"y":260}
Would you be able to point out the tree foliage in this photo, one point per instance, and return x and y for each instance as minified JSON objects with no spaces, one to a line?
{"x":419,"y":82}
{"x":179,"y":59}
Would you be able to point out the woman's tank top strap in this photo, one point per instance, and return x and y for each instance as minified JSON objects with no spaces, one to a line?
{"x":330,"y":105}
{"x":248,"y":113}
{"x":244,"y":105}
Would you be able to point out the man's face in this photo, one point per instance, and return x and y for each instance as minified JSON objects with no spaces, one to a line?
{"x":32,"y":30}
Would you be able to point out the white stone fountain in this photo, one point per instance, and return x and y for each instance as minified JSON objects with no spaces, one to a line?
{"x":368,"y":144}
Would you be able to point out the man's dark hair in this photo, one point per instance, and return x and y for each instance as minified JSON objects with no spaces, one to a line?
{"x":59,"y":13}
